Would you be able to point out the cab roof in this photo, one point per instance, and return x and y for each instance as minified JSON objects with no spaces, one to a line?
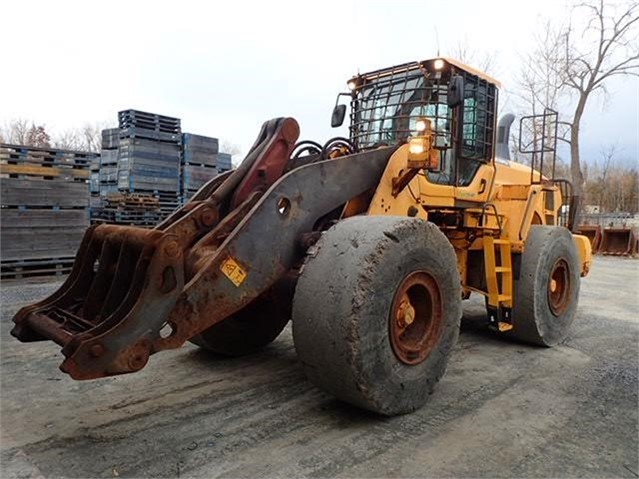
{"x":415,"y":64}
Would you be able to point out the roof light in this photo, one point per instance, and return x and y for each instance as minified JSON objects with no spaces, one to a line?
{"x":439,"y":64}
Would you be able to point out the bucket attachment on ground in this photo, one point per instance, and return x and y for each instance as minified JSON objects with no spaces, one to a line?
{"x":618,"y":242}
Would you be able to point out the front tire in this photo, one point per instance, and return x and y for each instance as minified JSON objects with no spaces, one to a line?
{"x":251,"y":328}
{"x":547,"y":291}
{"x":376,"y":312}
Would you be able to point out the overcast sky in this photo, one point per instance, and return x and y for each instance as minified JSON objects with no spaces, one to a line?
{"x":225,"y":67}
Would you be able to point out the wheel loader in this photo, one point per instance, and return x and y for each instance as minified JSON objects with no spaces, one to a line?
{"x":368,"y":244}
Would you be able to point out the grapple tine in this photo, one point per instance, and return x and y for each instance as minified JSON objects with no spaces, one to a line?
{"x":101,"y":280}
{"x":127,"y":261}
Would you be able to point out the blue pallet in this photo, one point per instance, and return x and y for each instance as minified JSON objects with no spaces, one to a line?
{"x":143,"y":133}
{"x":200,"y":142}
{"x":150,"y":184}
{"x":145,"y":171}
{"x":150,"y":156}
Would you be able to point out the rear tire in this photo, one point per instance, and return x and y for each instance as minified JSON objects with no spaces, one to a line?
{"x":376,"y":312}
{"x":547,"y":292}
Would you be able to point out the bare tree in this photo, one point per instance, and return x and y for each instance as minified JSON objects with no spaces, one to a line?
{"x":23,"y":132}
{"x":38,"y":136}
{"x":15,"y":131}
{"x":605,"y":48}
{"x":68,"y":140}
{"x":612,"y":185}
{"x":539,"y":90}
{"x":86,"y":138}
{"x":233,"y":150}
{"x":484,"y":61}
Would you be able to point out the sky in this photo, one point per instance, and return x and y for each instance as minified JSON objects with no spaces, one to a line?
{"x":226,"y":67}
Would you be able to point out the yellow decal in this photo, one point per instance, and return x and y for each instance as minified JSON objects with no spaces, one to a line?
{"x":233,"y":271}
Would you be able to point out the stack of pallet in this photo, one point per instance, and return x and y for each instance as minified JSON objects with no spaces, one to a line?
{"x":148,"y":156}
{"x":130,"y":209}
{"x":94,"y":183}
{"x":140,"y":169}
{"x":108,"y":171}
{"x":44,"y":204}
{"x":201,"y":161}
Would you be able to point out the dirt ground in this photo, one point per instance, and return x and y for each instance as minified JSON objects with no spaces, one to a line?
{"x":502,"y":409}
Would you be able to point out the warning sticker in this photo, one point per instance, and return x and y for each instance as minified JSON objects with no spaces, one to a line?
{"x":233,"y":271}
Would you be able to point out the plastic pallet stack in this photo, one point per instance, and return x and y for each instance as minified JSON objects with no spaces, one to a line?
{"x":149,"y":157}
{"x":94,"y":184}
{"x":108,"y":171}
{"x":201,"y":161}
{"x":44,"y":204}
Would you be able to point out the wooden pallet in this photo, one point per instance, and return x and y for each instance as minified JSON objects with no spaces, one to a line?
{"x":40,"y":193}
{"x":133,"y":200}
{"x":41,"y":233}
{"x":36,"y":267}
{"x":23,"y":170}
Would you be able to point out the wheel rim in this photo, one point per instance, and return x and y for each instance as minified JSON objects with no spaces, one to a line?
{"x":559,"y":287}
{"x":415,"y":318}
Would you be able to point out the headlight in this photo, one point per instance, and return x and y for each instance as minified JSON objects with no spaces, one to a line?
{"x":439,"y":64}
{"x":416,"y":146}
{"x":422,"y":125}
{"x":352,"y":84}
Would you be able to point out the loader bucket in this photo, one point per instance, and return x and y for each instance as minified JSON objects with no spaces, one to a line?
{"x":618,"y":241}
{"x":593,"y":233}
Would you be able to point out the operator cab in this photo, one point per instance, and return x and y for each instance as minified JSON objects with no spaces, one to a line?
{"x":389,"y":106}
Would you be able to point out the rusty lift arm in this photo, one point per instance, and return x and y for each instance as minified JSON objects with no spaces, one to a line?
{"x":133,"y":292}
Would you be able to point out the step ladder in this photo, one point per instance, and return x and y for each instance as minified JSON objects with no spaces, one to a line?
{"x":499,"y":282}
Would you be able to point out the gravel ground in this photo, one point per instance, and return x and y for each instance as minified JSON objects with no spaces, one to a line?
{"x":502,"y":409}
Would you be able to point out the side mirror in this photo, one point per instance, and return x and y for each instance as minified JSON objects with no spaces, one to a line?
{"x":455,"y":95}
{"x":337,"y":117}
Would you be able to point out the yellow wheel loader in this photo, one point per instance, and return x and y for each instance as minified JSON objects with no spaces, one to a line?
{"x":368,"y":243}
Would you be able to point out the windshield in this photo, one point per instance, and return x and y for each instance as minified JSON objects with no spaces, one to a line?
{"x":387,"y":106}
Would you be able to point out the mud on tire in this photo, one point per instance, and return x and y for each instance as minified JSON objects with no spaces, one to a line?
{"x":547,"y":291}
{"x":348,"y":297}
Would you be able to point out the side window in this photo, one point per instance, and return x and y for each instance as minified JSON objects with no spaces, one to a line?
{"x":477,"y":120}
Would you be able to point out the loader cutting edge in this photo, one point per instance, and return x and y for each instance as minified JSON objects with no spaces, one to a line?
{"x":133,"y":292}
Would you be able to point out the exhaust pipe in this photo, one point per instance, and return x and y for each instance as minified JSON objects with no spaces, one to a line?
{"x":503,"y":135}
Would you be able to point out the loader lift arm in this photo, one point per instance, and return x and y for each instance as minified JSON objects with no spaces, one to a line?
{"x":134,"y":292}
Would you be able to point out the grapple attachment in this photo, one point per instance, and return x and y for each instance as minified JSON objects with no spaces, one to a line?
{"x":120,"y":274}
{"x":113,"y":310}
